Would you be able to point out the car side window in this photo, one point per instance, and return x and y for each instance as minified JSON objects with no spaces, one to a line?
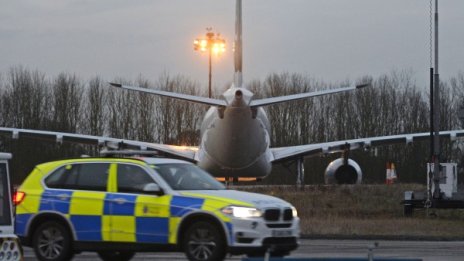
{"x":56,"y":179}
{"x":132,"y":179}
{"x":88,"y":176}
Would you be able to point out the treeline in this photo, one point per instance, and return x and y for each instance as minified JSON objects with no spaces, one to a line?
{"x":393,"y":105}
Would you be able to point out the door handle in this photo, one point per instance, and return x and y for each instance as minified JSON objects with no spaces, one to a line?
{"x":120,"y":200}
{"x":63,"y":196}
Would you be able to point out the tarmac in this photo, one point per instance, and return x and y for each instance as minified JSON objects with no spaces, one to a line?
{"x":331,"y":250}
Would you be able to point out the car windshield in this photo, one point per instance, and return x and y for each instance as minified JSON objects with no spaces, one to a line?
{"x":181,"y":176}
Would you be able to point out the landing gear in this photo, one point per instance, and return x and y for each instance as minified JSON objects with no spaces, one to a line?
{"x":229,"y":181}
{"x":300,"y":178}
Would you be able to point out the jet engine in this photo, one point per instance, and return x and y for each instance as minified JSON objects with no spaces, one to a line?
{"x":341,"y":171}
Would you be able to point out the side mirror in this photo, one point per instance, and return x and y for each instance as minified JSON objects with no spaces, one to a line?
{"x":152,"y":188}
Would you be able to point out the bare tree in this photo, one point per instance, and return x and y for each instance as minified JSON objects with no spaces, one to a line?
{"x":122,"y":108}
{"x":24,"y":99}
{"x":95,"y":113}
{"x":67,"y":94}
{"x":179,"y":120}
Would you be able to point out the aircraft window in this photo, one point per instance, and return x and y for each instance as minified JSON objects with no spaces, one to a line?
{"x":187,"y":177}
{"x":90,"y":176}
{"x":132,"y":178}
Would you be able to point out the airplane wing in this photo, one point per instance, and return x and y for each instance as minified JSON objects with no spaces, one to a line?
{"x":184,"y":152}
{"x":180,"y":96}
{"x":273,"y":100}
{"x":285,"y":153}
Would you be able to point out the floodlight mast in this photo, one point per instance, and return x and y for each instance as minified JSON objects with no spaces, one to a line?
{"x":436,"y":114}
{"x":213,"y":44}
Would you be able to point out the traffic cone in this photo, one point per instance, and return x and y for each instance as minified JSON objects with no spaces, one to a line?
{"x":388,"y":174}
{"x":393,"y":176}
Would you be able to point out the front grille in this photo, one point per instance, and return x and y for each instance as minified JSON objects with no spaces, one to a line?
{"x":272,"y":214}
{"x":288,"y":214}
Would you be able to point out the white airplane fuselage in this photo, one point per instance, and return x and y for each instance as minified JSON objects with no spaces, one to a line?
{"x":235,"y":139}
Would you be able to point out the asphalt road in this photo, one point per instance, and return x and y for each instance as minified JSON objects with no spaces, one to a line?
{"x":425,"y":250}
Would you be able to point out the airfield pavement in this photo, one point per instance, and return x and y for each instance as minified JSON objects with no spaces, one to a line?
{"x":310,"y":248}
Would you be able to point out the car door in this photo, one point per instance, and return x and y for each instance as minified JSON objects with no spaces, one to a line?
{"x":78,"y":192}
{"x":135,"y":215}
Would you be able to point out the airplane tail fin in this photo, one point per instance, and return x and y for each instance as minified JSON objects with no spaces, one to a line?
{"x":238,"y":80}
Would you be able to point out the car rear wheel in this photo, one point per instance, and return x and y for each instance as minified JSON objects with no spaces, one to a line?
{"x":52,"y":242}
{"x":203,"y":241}
{"x":116,"y":255}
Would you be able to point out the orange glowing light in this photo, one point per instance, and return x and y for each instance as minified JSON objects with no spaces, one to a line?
{"x":213,"y":43}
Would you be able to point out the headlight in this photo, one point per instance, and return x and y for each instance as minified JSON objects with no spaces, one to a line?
{"x":294,"y":212}
{"x":241,"y":212}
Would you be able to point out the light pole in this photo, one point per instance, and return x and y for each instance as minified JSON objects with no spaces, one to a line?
{"x":213,"y":44}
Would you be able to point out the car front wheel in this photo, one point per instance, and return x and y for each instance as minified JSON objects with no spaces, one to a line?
{"x":52,"y":242}
{"x":203,"y":241}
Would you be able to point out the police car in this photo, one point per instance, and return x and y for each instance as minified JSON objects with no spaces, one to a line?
{"x":120,"y":206}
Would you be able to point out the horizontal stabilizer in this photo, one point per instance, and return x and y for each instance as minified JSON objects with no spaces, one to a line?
{"x":175,"y":95}
{"x":273,"y":100}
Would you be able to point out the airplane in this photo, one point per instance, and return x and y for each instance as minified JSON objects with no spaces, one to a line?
{"x":235,"y":133}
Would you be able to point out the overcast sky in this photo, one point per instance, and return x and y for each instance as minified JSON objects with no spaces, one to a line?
{"x":331,"y":40}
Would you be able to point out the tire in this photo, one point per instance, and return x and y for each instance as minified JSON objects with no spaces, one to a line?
{"x":116,"y":255}
{"x":203,"y":241}
{"x":52,"y":242}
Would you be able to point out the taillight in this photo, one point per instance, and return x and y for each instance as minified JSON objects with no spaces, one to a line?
{"x":18,"y":197}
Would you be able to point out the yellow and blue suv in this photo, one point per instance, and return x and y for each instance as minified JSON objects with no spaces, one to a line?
{"x":119,"y":206}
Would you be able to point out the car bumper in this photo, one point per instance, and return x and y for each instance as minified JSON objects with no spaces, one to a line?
{"x":247,"y":235}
